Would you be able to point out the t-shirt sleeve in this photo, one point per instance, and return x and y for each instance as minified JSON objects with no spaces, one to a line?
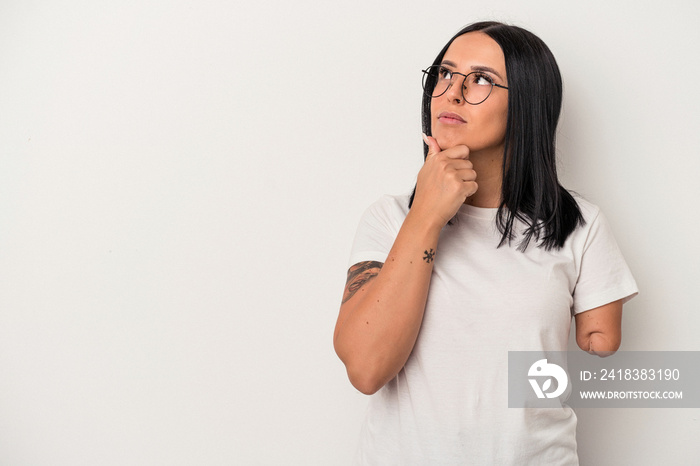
{"x":604,"y":276}
{"x":377,"y":231}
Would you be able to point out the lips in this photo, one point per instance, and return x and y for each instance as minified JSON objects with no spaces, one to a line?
{"x":450,"y":118}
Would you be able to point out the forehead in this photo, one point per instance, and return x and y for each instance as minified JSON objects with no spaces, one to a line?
{"x":474,"y":49}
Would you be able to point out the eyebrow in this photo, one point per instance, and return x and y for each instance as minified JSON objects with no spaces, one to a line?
{"x":475,"y":68}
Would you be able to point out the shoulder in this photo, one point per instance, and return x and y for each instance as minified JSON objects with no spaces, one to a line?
{"x":389,"y":207}
{"x":596,"y":228}
{"x":589,"y":211}
{"x":392,"y":202}
{"x":384,"y":217}
{"x":378,"y":229}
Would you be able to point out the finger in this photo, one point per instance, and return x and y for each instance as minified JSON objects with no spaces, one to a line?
{"x":458,"y":163}
{"x":433,"y":146}
{"x":471,"y":188}
{"x":457,"y":152}
{"x":466,"y":174}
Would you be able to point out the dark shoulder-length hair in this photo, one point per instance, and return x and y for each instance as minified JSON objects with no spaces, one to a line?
{"x":530,"y":190}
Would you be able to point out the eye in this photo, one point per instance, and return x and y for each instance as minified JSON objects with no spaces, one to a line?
{"x":444,"y":73}
{"x":481,"y":79}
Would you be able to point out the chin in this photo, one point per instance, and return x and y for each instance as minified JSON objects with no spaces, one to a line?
{"x":446,"y":141}
{"x":448,"y":136}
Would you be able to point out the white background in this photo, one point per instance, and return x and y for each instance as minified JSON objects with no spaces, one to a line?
{"x":180,"y":183}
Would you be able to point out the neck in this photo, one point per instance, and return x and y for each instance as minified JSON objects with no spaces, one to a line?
{"x":488,"y":167}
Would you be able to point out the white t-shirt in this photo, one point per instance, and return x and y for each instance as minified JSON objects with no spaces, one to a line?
{"x":449,"y":404}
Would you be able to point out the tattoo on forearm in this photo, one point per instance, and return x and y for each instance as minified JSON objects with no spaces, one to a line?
{"x":429,"y":256}
{"x":358,"y":275}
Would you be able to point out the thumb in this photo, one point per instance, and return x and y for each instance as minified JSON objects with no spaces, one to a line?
{"x":433,"y":146}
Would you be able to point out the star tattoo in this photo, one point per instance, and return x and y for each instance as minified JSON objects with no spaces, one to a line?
{"x":429,"y":256}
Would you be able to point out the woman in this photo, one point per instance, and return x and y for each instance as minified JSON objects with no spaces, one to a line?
{"x":488,"y":255}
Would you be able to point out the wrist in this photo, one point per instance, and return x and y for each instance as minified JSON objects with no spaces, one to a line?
{"x":426,"y":225}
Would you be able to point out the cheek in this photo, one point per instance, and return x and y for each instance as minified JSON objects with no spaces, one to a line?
{"x":498,"y":120}
{"x":503,"y":119}
{"x":433,"y":118}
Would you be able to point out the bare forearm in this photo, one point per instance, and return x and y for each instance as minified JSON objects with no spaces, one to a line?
{"x":382,"y":313}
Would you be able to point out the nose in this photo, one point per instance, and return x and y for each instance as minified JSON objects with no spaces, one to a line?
{"x":454,"y":91}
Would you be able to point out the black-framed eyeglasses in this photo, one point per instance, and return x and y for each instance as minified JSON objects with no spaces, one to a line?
{"x":476,"y":86}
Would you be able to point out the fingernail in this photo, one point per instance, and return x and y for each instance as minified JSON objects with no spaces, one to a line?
{"x":425,"y":139}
